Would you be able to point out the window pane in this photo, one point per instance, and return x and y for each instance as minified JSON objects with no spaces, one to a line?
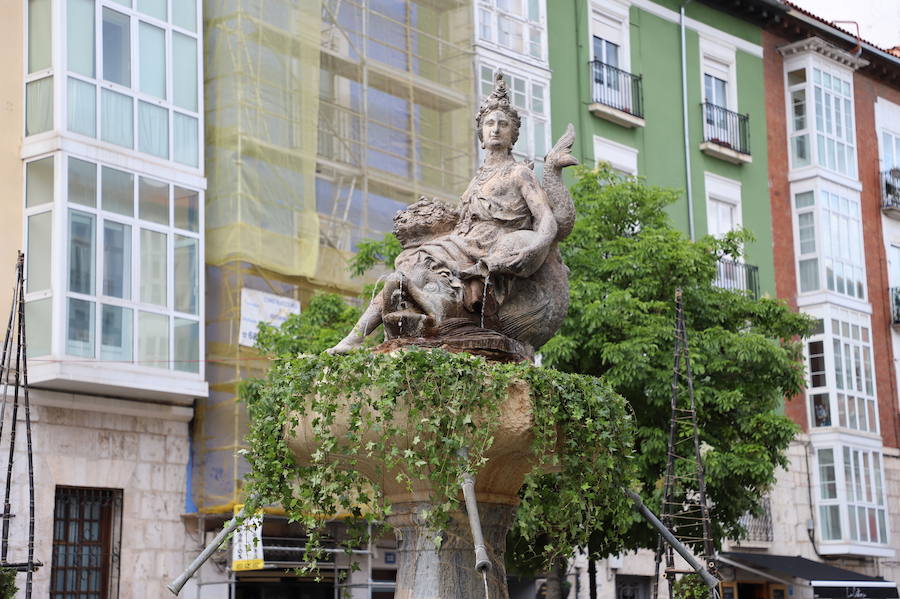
{"x":116,"y":119}
{"x":153,"y":198}
{"x":153,"y":340}
{"x":116,"y":260}
{"x":153,"y":130}
{"x":153,"y":267}
{"x":187,"y":345}
{"x":82,"y":182}
{"x":115,"y":333}
{"x":116,"y":47}
{"x":185,"y":139}
{"x":80,"y":328}
{"x":184,"y":71}
{"x":802,"y":200}
{"x":154,"y":8}
{"x":80,"y":34}
{"x":38,"y":315}
{"x":39,"y":106}
{"x":82,"y":109}
{"x":153,"y":60}
{"x":187,"y":274}
{"x":38,"y":256}
{"x":831,"y":522}
{"x":187,"y":209}
{"x":184,"y":14}
{"x":39,"y":182}
{"x":38,"y":35}
{"x":118,"y":191}
{"x":81,"y":252}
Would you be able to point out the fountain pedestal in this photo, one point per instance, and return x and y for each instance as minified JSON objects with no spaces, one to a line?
{"x":447,"y":571}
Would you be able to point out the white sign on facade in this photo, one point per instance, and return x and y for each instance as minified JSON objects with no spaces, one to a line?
{"x":246,"y":544}
{"x":259,"y":306}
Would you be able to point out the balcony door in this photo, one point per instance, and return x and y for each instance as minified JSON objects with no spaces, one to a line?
{"x":606,"y":64}
{"x":715,"y":92}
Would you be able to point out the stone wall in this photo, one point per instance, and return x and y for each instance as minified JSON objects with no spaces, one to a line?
{"x":140,"y":448}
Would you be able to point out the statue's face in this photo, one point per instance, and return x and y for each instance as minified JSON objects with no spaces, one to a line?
{"x":497,"y":131}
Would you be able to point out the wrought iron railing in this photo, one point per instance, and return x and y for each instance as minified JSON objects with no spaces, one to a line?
{"x":726,"y":128}
{"x":759,"y":528}
{"x":890,"y":188}
{"x":895,"y":305}
{"x":617,"y":88}
{"x":737,"y":276}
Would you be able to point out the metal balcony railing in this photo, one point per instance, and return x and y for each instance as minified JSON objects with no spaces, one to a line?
{"x":759,"y":528}
{"x":726,"y":128}
{"x":890,"y":189}
{"x":895,"y":305}
{"x":737,"y":276}
{"x":617,"y":88}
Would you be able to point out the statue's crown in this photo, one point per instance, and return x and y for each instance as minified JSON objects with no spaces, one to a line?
{"x":498,"y":100}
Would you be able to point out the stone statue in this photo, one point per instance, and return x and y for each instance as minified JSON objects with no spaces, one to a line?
{"x":486,"y":276}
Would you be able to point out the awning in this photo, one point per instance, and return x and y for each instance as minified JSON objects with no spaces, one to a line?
{"x":828,"y":582}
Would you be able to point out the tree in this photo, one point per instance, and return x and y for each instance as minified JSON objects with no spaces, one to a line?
{"x":626,"y":261}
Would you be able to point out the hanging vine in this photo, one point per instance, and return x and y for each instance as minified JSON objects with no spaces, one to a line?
{"x":421,"y":408}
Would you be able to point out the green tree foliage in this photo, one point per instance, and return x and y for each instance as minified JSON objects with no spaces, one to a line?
{"x":7,"y":583}
{"x":626,"y":261}
{"x":690,"y":586}
{"x":321,"y":325}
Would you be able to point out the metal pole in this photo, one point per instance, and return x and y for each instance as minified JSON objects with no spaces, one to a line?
{"x":176,"y":585}
{"x":710,"y":580}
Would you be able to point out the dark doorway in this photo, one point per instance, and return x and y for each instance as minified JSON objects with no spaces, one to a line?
{"x":749,"y":590}
{"x":283,"y":590}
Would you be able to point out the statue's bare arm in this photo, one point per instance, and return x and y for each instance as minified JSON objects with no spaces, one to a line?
{"x":368,"y":322}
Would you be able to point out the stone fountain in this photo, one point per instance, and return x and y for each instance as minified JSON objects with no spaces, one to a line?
{"x":485,"y":277}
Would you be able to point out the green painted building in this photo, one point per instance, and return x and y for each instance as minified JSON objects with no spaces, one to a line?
{"x":618,"y":75}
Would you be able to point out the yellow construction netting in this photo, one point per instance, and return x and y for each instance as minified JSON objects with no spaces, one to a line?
{"x":323,"y":118}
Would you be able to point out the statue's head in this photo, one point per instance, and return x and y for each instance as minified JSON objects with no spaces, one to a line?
{"x":497,"y":111}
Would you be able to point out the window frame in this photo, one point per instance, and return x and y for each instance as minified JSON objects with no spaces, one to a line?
{"x":620,"y":157}
{"x":487,"y":19}
{"x":720,"y":60}
{"x":59,"y":290}
{"x":610,"y":21}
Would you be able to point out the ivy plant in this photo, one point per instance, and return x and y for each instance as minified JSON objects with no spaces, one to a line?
{"x":423,"y":407}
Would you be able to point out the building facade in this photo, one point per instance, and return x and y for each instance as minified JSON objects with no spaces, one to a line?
{"x":103,"y":164}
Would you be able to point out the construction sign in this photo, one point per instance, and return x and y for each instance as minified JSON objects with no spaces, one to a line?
{"x":246,"y":544}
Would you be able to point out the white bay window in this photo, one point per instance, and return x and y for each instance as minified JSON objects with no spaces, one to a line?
{"x":131,"y":284}
{"x":850,"y":498}
{"x":516,"y":25}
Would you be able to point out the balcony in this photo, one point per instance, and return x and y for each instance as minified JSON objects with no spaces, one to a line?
{"x":726,"y":134}
{"x":737,"y":276}
{"x":890,"y":194}
{"x":617,"y":95}
{"x":895,"y":306}
{"x":759,"y":528}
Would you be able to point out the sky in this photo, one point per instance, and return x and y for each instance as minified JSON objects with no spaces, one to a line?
{"x":879,"y":20}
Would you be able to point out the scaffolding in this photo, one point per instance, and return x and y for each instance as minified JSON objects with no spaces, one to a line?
{"x":324,"y":117}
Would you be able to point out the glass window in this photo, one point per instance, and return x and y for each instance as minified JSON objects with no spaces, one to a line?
{"x":82,"y":107}
{"x":116,"y":118}
{"x":117,"y":191}
{"x":81,"y":252}
{"x":153,"y":60}
{"x":39,"y":318}
{"x":39,"y":35}
{"x":39,"y":182}
{"x":184,"y":14}
{"x":184,"y":71}
{"x":116,"y":47}
{"x":185,"y":140}
{"x":82,"y":187}
{"x":155,"y":8}
{"x":187,"y":209}
{"x":80,"y":328}
{"x":116,"y":259}
{"x":835,"y":144}
{"x":153,"y":130}
{"x":187,"y":274}
{"x":153,"y":267}
{"x":153,"y":340}
{"x":39,"y":106}
{"x":80,"y":36}
{"x":187,"y":345}
{"x":153,"y":197}
{"x":37,"y":277}
{"x":116,"y":334}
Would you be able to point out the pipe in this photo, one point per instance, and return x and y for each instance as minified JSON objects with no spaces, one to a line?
{"x":711,"y":581}
{"x":176,"y":585}
{"x":687,"y":144}
{"x":467,"y":482}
